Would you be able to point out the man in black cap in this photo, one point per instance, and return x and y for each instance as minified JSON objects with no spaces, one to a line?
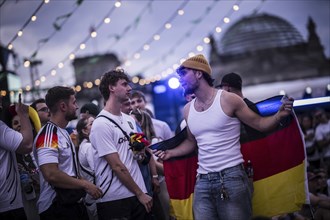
{"x":232,"y":82}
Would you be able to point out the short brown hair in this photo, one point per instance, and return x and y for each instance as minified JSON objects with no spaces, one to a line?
{"x":111,"y":78}
{"x":56,"y":94}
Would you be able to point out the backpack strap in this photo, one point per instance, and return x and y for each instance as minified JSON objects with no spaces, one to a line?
{"x":124,"y":132}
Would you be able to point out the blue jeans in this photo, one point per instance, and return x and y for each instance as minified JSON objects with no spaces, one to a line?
{"x":224,"y":195}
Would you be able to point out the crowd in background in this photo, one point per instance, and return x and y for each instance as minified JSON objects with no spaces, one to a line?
{"x":315,"y":126}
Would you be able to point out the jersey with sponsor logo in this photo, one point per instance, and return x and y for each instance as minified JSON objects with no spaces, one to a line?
{"x":53,"y":145}
{"x":107,"y":138}
{"x":10,"y":187}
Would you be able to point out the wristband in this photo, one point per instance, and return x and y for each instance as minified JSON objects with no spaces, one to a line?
{"x":154,"y":176}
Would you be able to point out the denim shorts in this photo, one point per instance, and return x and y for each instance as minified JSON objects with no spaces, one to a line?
{"x":224,"y":195}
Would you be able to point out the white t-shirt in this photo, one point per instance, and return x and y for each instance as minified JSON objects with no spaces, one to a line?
{"x":53,"y":145}
{"x":311,"y":144}
{"x":85,"y":156}
{"x":107,"y":138}
{"x":162,"y":129}
{"x":217,"y":137}
{"x":10,"y":186}
{"x":322,"y":132}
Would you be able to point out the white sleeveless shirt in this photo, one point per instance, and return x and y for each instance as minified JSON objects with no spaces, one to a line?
{"x":217,"y":137}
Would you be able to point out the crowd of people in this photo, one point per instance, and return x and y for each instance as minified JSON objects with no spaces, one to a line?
{"x":103,"y":168}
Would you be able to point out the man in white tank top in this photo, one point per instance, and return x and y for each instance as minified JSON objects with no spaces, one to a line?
{"x":213,"y":124}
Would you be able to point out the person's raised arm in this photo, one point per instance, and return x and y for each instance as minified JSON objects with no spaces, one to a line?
{"x":125,"y":177}
{"x":22,"y":111}
{"x":235,"y":106}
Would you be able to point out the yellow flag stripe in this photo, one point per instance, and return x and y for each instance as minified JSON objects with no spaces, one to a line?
{"x":280,"y":193}
{"x":182,"y":209}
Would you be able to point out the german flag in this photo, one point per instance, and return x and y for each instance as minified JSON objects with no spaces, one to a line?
{"x":180,"y":176}
{"x":278,"y":160}
{"x":279,"y":163}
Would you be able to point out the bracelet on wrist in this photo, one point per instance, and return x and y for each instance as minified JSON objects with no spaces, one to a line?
{"x":155,"y":176}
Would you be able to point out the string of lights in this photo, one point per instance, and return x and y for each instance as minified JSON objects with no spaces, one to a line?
{"x":93,"y":34}
{"x":157,"y":35}
{"x":32,"y":18}
{"x":146,"y":45}
{"x":157,"y":77}
{"x":81,"y":46}
{"x":57,"y":27}
{"x":198,"y":48}
{"x":164,"y":74}
{"x":179,"y":42}
{"x":135,"y":22}
{"x":146,"y":81}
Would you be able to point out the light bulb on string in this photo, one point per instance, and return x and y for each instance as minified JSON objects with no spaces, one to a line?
{"x":218,"y":29}
{"x":199,"y":48}
{"x":137,"y":56}
{"x":33,"y":18}
{"x":117,"y":4}
{"x":82,"y":46}
{"x":97,"y":82}
{"x":156,"y":37}
{"x":146,"y":47}
{"x":168,"y":25}
{"x":128,"y":63}
{"x":191,"y":54}
{"x":206,"y":40}
{"x":78,"y":88}
{"x":93,"y":34}
{"x":72,"y":56}
{"x":27,"y":63}
{"x":135,"y":79}
{"x":107,"y":20}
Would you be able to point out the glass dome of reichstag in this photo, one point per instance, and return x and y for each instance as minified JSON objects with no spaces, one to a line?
{"x":257,"y":32}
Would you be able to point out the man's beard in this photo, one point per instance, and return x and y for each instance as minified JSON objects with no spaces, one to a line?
{"x":190,"y":90}
{"x":71,"y":116}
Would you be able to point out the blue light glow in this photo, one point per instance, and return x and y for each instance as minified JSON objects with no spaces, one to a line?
{"x":173,"y":83}
{"x":159,"y":89}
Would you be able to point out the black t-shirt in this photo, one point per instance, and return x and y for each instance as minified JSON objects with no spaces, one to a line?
{"x":248,"y":133}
